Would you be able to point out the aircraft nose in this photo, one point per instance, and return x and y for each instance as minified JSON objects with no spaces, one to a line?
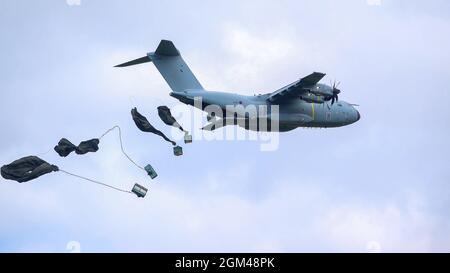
{"x":358,"y":116}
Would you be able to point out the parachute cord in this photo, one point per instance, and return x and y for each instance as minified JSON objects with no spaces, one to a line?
{"x":107,"y":132}
{"x":96,"y":182}
{"x":121,"y":145}
{"x":130,"y":98}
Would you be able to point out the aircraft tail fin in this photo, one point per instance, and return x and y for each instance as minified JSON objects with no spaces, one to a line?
{"x":167,"y":48}
{"x":171,"y":65}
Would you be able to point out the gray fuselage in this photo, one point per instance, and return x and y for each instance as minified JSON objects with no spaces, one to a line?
{"x":292,"y":113}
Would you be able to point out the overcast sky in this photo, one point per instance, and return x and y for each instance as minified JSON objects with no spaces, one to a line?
{"x":381,"y":184}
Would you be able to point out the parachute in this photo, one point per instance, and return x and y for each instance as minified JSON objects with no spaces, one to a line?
{"x":65,"y":147}
{"x":26,"y":169}
{"x":144,"y":125}
{"x":31,"y":167}
{"x":166,"y":116}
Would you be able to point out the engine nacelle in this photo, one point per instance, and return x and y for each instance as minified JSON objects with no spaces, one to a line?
{"x":310,"y":97}
{"x":321,"y":90}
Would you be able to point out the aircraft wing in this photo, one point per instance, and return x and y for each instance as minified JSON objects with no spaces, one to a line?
{"x":296,"y":88}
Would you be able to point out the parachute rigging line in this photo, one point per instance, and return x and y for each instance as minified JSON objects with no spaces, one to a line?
{"x":121,"y":144}
{"x":94,"y":181}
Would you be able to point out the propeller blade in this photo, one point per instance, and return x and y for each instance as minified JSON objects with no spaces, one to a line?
{"x":334,"y":97}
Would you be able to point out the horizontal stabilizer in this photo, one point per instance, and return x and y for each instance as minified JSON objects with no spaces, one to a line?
{"x":141,"y":60}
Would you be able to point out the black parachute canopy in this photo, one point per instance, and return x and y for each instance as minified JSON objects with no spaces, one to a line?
{"x":65,"y":147}
{"x":166,"y":116}
{"x":26,"y":169}
{"x":144,"y":125}
{"x":87,"y":146}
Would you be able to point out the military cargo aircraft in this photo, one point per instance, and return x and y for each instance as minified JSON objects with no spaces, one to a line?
{"x":303,"y":103}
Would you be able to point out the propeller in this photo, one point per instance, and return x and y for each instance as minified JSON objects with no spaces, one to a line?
{"x":336,"y":91}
